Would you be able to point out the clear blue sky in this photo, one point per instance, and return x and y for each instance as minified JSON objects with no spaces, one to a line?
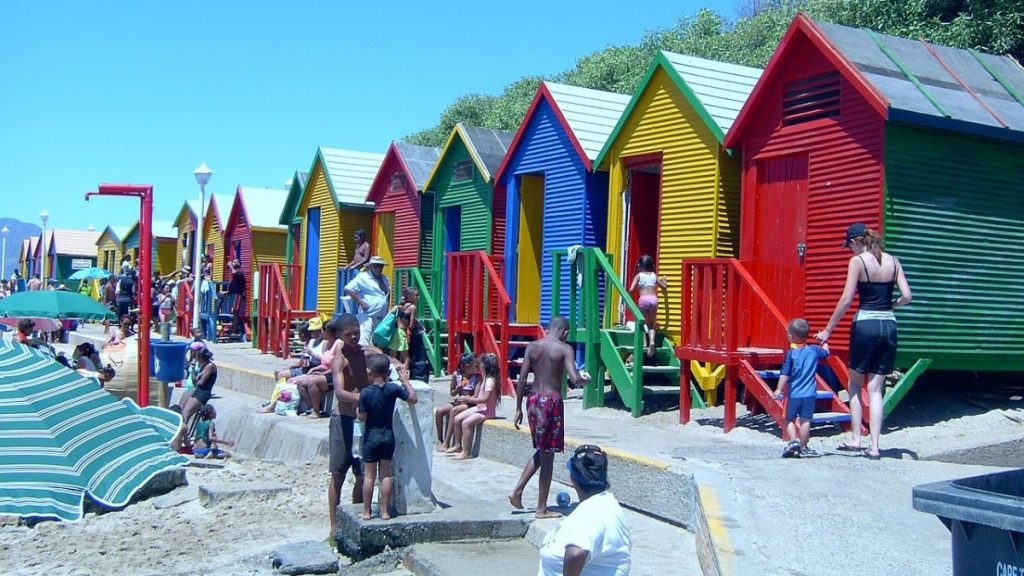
{"x":143,"y":92}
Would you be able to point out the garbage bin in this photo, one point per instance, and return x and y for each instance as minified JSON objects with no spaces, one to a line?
{"x":167,"y":360}
{"x":985,"y":517}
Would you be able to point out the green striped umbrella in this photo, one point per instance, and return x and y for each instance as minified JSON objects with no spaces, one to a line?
{"x":63,"y":438}
{"x":54,"y":304}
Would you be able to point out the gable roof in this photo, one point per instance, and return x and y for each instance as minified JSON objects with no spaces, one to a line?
{"x":486,"y":147}
{"x":913,"y":81}
{"x":160,"y":229}
{"x":189,"y":205}
{"x":26,"y":245}
{"x":261,"y":206}
{"x":296,"y":184}
{"x":416,"y":161}
{"x":33,"y":246}
{"x":716,"y":90}
{"x":73,"y":242}
{"x":587,"y":116}
{"x":117,"y":233}
{"x":349,"y":173}
{"x":212,"y":214}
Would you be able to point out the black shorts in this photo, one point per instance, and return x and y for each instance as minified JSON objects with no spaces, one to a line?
{"x":873,"y":346}
{"x":802,"y":407}
{"x":202,"y":395}
{"x":339,"y":446}
{"x":378,"y":444}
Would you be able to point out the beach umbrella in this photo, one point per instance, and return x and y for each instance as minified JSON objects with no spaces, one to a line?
{"x":63,"y":439}
{"x":54,"y":304}
{"x":44,"y":324}
{"x":89,"y":274}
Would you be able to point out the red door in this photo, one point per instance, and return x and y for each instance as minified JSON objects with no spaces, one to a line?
{"x":780,"y":244}
{"x":642,"y":225}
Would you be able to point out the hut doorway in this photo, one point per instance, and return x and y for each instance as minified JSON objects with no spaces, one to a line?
{"x":312,"y":262}
{"x":780,"y":246}
{"x":642,"y":211}
{"x":452,"y":238}
{"x":384,"y":243}
{"x":530,"y":248}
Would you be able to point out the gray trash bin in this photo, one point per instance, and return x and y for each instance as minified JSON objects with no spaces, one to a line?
{"x":985,"y":517}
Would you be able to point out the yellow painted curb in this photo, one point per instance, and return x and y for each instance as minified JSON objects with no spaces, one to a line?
{"x":576,"y":442}
{"x":721,"y":544}
{"x":249,"y":371}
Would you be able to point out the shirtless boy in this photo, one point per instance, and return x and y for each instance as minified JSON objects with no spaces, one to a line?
{"x":549,"y":359}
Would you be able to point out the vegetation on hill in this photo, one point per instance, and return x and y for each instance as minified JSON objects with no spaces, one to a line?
{"x":994,"y":26}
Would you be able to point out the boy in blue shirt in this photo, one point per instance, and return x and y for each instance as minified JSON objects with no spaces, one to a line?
{"x":797,"y":377}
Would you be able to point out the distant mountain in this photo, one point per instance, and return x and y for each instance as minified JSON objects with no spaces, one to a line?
{"x":18,"y":231}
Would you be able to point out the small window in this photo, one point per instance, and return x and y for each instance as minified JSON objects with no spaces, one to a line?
{"x":810,"y":99}
{"x":398,"y":182}
{"x":463,"y":171}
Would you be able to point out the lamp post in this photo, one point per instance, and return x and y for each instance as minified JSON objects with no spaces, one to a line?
{"x":3,"y":253}
{"x":44,"y":216}
{"x":202,"y":175}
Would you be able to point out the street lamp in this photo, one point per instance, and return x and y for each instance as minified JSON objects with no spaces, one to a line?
{"x":3,"y":253}
{"x":44,"y":216}
{"x":202,"y":175}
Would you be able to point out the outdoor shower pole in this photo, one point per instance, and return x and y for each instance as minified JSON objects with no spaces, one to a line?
{"x":145,"y":194}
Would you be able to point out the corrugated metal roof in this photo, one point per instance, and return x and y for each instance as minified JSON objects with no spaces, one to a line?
{"x":263,"y":205}
{"x":420,"y":160}
{"x":721,"y":88}
{"x":163,"y":229}
{"x":74,"y":242}
{"x":591,"y":114}
{"x":349,"y":173}
{"x":488,"y":145}
{"x":916,"y":78}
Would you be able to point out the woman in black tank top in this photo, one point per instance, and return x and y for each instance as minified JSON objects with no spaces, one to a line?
{"x":872,"y":274}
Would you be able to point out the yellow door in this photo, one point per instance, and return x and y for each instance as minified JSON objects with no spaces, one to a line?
{"x":384,"y":242}
{"x":531,"y":248}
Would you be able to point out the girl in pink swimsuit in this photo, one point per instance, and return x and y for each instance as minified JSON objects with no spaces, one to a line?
{"x":648,"y":282}
{"x":487,"y":400}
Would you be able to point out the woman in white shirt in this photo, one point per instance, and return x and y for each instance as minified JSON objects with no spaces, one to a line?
{"x":594,"y":540}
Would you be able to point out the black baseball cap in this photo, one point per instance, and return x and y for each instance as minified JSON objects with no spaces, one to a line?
{"x":856,"y":230}
{"x":588,"y":467}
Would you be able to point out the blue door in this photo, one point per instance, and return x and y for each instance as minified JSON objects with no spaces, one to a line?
{"x":452,"y":243}
{"x":312,"y":258}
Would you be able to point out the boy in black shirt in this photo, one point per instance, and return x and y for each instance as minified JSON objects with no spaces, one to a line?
{"x":376,"y":412}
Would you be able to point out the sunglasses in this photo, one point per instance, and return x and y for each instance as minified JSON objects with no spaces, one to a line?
{"x":587,"y":449}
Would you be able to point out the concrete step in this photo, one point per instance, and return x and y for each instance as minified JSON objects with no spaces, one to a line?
{"x":514,"y":558}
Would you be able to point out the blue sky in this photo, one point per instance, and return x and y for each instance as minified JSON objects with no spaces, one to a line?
{"x":143,"y":92}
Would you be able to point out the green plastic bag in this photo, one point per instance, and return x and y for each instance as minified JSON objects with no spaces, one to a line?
{"x":385,"y":330}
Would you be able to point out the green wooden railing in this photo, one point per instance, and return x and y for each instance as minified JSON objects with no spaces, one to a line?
{"x":426,"y":313}
{"x":586,"y":326}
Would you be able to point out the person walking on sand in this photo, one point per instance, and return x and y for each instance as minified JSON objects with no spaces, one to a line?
{"x":548,"y":359}
{"x":649,"y":283}
{"x":872,"y":274}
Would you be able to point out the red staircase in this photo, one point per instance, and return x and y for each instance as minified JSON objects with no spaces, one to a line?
{"x":277,"y":317}
{"x":723,"y":309}
{"x":479,"y":308}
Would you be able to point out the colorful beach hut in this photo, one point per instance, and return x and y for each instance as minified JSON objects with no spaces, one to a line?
{"x":291,"y":219}
{"x":331,"y":207}
{"x":923,"y":142}
{"x":165,"y":243}
{"x":109,"y":248}
{"x":252,"y":234}
{"x":25,"y":259}
{"x":469,"y":210}
{"x":70,"y":251}
{"x":553,"y":198}
{"x":403,"y":214}
{"x":185,"y":224}
{"x":673,"y":188}
{"x":213,"y":238}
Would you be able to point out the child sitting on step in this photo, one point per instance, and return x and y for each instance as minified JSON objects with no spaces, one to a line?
{"x":466,"y":423}
{"x":376,"y":411}
{"x":797,"y":377}
{"x":463,"y":383}
{"x":204,"y":439}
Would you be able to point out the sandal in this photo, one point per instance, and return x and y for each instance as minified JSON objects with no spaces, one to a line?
{"x":844,"y":447}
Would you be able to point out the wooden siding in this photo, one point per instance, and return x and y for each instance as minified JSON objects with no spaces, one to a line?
{"x":108,"y":254}
{"x":318,"y":194}
{"x":349,"y":220}
{"x":954,"y":218}
{"x":845,"y":178}
{"x":474,"y":196}
{"x":402,"y":200}
{"x":574,"y":201}
{"x":185,"y":225}
{"x":695,"y":198}
{"x":167,"y":254}
{"x":427,"y":241}
{"x":213,"y":235}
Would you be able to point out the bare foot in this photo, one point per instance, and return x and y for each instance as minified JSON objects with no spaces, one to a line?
{"x":313,"y":415}
{"x":366,"y":515}
{"x":547,"y":514}
{"x":462,"y":456}
{"x":454,"y":450}
{"x":516,"y":500}
{"x":385,"y":516}
{"x":265,"y":410}
{"x":441,"y":448}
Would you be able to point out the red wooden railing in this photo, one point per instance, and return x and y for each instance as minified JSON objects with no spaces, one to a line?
{"x":477,"y":306}
{"x":183,"y":308}
{"x":276,"y":313}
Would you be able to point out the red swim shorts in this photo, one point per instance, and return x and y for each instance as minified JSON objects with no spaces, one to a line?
{"x":545,"y":414}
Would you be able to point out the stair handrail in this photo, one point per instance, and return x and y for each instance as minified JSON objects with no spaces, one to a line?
{"x":430,"y":310}
{"x":476,"y":312}
{"x":274,"y":310}
{"x":613,"y":280}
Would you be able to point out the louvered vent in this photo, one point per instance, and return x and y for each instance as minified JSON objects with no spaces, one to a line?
{"x":811,"y":99}
{"x":462,"y":171}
